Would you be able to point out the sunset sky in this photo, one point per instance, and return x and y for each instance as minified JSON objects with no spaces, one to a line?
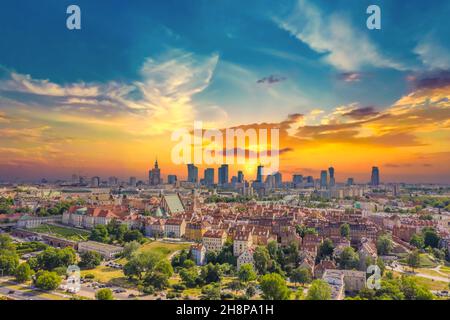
{"x":104,"y":100}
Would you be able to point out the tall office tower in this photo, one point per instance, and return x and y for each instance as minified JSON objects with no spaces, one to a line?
{"x":332,"y":180}
{"x":192,"y":173}
{"x":270,"y":181}
{"x":259,"y":174}
{"x":133,"y":181}
{"x":208,"y":176}
{"x":297,"y":180}
{"x":240,"y":177}
{"x":171,"y":179}
{"x":234,"y":180}
{"x":95,"y":182}
{"x":323,"y":179}
{"x":375,"y":179}
{"x":75,"y":178}
{"x":223,"y":174}
{"x":278,"y":179}
{"x":350,"y":181}
{"x":82,"y":180}
{"x":113,"y":181}
{"x":396,"y":190}
{"x":310,"y":179}
{"x":154,"y":175}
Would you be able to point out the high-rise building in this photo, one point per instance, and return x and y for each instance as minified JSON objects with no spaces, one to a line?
{"x":259,"y":174}
{"x":133,"y":181}
{"x":223,"y":174}
{"x":375,"y":178}
{"x":323,"y":179}
{"x":297,"y":180}
{"x":95,"y":182}
{"x":270,"y":181}
{"x":310,"y":179}
{"x":208,"y":176}
{"x":278,"y":179}
{"x":192,"y":173}
{"x":350,"y":181}
{"x":113,"y":181}
{"x":154,"y":175}
{"x":332,"y":180}
{"x":82,"y":181}
{"x":240,"y":177}
{"x":171,"y":179}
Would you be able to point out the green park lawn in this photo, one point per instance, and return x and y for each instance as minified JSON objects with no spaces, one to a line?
{"x":62,"y":232}
{"x":106,"y":274}
{"x":163,"y":248}
{"x":428,"y":283}
{"x":425,"y":261}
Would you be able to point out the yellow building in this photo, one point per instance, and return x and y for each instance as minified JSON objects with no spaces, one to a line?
{"x":195,"y":231}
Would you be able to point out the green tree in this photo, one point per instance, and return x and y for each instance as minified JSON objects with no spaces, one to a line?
{"x":100,"y":234}
{"x":23,"y":272}
{"x":133,"y":235}
{"x":348,"y":259}
{"x":6,"y":243}
{"x":157,"y":279}
{"x":303,"y":230}
{"x":188,"y":263}
{"x":301,"y":275}
{"x":261,"y":258}
{"x":389,"y":290}
{"x":178,"y":259}
{"x":430,"y":237}
{"x":413,"y":291}
{"x":130,"y":248}
{"x":417,"y":241}
{"x":272,"y":247}
{"x":52,"y":258}
{"x":141,"y":264}
{"x":344,"y":230}
{"x":325,"y":249}
{"x":164,"y":267}
{"x":384,"y":245}
{"x":90,"y":259}
{"x":226,"y":254}
{"x":319,"y":290}
{"x":189,"y":276}
{"x":104,"y":294}
{"x":413,"y":259}
{"x":250,"y":291}
{"x":9,"y":261}
{"x":211,"y":273}
{"x":47,"y":280}
{"x":274,"y":287}
{"x":211,"y":292}
{"x":246,"y":273}
{"x":116,"y":230}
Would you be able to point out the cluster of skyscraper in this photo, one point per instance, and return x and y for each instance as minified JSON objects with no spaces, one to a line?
{"x":326,"y":181}
{"x":208,"y":175}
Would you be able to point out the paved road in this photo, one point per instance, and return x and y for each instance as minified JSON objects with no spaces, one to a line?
{"x":20,"y":295}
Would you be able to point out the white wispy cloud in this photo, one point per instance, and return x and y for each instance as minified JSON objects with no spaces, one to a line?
{"x":157,"y":102}
{"x":334,"y":36}
{"x":432,"y":54}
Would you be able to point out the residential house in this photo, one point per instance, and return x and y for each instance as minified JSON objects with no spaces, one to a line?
{"x":213,"y":240}
{"x":174,"y":228}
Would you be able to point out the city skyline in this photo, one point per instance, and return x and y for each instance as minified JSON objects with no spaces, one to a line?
{"x":373,"y":98}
